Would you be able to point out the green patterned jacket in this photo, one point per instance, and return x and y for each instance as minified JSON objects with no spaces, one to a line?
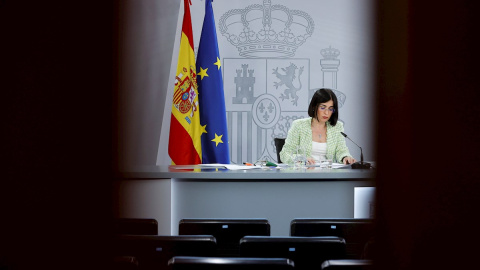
{"x":300,"y":133}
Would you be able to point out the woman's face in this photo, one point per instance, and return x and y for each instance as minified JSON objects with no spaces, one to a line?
{"x":325,"y":111}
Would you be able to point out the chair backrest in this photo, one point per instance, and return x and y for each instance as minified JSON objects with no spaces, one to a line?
{"x":125,"y":263}
{"x":305,"y":252}
{"x":227,"y":232}
{"x":279,"y":142}
{"x":351,"y":264}
{"x":138,"y":226}
{"x":154,"y":251}
{"x":356,"y":232}
{"x":233,"y":263}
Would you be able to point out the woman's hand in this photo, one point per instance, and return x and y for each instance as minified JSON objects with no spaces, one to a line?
{"x":310,"y":161}
{"x":348,"y":160}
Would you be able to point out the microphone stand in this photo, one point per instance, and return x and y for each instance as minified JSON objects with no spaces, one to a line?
{"x":361,"y":164}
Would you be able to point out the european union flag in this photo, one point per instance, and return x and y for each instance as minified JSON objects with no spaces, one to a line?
{"x":210,"y":94}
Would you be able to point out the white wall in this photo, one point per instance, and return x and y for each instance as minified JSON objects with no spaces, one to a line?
{"x":147,"y":30}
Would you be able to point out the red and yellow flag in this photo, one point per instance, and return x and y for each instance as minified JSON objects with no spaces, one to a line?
{"x":184,"y":145}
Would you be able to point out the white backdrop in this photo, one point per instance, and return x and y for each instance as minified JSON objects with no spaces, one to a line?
{"x":269,"y":79}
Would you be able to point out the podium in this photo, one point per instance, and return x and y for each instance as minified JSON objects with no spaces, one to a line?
{"x":279,"y":195}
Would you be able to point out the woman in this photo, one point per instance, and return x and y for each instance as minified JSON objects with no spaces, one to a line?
{"x":318,"y":135}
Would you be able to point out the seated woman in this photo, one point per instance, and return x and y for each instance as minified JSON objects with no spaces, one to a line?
{"x":318,"y":135}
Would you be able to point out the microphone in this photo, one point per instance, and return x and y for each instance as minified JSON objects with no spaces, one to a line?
{"x":361,"y":164}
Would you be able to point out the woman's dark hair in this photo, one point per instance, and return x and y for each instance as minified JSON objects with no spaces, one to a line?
{"x":323,"y":95}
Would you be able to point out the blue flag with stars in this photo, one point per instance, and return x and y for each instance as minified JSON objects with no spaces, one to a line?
{"x":211,"y":98}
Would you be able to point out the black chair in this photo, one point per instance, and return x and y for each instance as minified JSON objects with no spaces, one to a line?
{"x":305,"y":252}
{"x":358,"y":233}
{"x":154,"y":251}
{"x":227,"y":232}
{"x":234,"y":263}
{"x":125,"y":263}
{"x":347,"y":264}
{"x":279,"y":142}
{"x":137,"y":226}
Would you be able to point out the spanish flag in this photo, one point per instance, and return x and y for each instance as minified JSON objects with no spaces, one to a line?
{"x":184,"y":145}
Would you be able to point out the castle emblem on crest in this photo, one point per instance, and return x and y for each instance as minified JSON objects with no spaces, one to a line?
{"x":244,"y":86}
{"x":260,"y":31}
{"x":184,"y":94}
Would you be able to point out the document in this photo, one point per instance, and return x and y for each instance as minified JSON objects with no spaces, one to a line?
{"x":231,"y":166}
{"x":241,"y":167}
{"x":334,"y":165}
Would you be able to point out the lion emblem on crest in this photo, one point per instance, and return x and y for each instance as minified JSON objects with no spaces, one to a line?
{"x":287,"y":80}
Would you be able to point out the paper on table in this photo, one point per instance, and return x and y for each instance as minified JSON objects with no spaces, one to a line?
{"x":241,"y":167}
{"x":282,"y":165}
{"x":232,"y":166}
{"x":334,"y":165}
{"x":338,"y":165}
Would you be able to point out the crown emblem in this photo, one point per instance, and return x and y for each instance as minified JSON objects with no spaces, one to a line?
{"x":330,"y":53}
{"x":266,"y":30}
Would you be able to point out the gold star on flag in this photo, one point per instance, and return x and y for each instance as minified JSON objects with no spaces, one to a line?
{"x":204,"y":129}
{"x":218,"y":139}
{"x":218,"y":64}
{"x":203,"y":72}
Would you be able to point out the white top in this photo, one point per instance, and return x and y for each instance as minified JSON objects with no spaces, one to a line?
{"x":319,"y":150}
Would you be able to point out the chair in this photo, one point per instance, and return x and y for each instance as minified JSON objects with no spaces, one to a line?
{"x":235,"y":263}
{"x":125,"y":263}
{"x":347,"y":265}
{"x":279,"y":142}
{"x":138,"y":226}
{"x":356,"y":232}
{"x":227,"y":232}
{"x":154,"y":251}
{"x":305,"y":252}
